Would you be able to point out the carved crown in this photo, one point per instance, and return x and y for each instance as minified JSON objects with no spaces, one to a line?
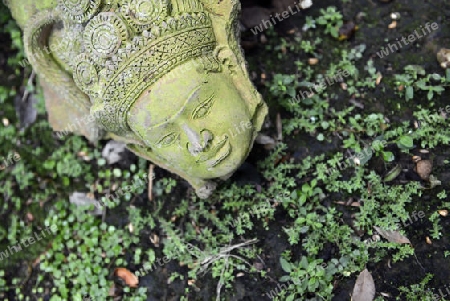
{"x":129,"y":45}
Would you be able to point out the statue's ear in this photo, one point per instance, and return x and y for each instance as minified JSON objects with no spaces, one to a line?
{"x":225,"y":16}
{"x":238,"y":72}
{"x":227,"y":59}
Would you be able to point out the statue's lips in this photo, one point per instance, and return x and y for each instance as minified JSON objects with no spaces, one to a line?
{"x":216,"y":154}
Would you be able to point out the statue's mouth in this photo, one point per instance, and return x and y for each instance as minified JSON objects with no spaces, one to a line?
{"x":217,"y":153}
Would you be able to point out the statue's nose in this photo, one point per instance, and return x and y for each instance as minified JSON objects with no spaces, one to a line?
{"x":198,"y":142}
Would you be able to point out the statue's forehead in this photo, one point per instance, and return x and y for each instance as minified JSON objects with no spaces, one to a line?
{"x":157,"y":108}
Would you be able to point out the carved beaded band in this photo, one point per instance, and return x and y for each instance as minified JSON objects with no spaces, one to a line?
{"x":139,"y":72}
{"x":118,"y":66}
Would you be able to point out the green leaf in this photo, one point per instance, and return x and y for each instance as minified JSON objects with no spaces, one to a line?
{"x":286,"y":266}
{"x":393,"y":173}
{"x":364,"y":156}
{"x":320,"y":137}
{"x":388,"y":156}
{"x":405,"y":142}
{"x":285,"y":278}
{"x":378,"y":145}
{"x":438,"y":89}
{"x":409,"y":92}
{"x":49,"y":164}
{"x":304,"y":263}
{"x":415,"y":69}
{"x":117,"y":172}
{"x":334,"y":32}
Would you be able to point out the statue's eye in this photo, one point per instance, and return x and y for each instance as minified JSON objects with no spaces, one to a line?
{"x":167,"y":140}
{"x":204,"y":108}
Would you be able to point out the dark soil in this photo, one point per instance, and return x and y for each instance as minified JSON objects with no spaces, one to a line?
{"x":373,"y":31}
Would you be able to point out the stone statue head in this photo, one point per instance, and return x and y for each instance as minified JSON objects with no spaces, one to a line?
{"x":168,"y":78}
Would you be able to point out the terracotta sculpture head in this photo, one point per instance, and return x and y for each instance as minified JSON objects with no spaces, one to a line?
{"x":167,"y":77}
{"x":197,"y":128}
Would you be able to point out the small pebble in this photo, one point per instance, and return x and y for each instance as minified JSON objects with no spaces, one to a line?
{"x":395,"y":16}
{"x":313,"y":61}
{"x":443,"y":212}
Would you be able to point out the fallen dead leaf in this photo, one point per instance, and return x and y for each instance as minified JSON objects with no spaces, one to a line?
{"x":347,"y":30}
{"x":154,"y":238}
{"x":392,"y":25}
{"x":364,"y":289}
{"x":268,"y":142}
{"x":83,"y":199}
{"x":113,"y":151}
{"x":434,"y":182}
{"x":25,"y":106}
{"x":356,"y":103}
{"x":379,"y":78}
{"x":279,"y":128}
{"x":130,"y":279}
{"x":392,"y":236}
{"x":350,"y":202}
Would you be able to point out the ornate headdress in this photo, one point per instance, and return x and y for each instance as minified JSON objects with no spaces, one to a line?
{"x":130,"y":45}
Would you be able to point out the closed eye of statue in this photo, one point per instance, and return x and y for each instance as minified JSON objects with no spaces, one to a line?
{"x":167,"y":140}
{"x":203,"y":109}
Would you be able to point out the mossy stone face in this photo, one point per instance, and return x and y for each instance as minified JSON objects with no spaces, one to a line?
{"x":198,"y":122}
{"x":165,"y":76}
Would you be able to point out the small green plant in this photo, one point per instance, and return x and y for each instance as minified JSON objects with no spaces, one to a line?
{"x":309,"y":23}
{"x":307,"y":46}
{"x":331,"y":19}
{"x":307,"y":276}
{"x":415,"y":78}
{"x":283,"y":85}
{"x":417,"y":292}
